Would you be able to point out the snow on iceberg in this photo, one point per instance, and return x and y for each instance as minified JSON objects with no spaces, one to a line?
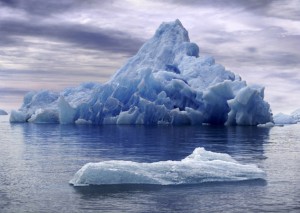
{"x":282,"y":118}
{"x":166,"y":82}
{"x":199,"y":167}
{"x":3,"y":112}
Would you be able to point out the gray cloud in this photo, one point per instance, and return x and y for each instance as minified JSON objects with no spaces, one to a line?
{"x":229,"y":3}
{"x":291,"y":77}
{"x":219,"y":38}
{"x":12,"y":91}
{"x":38,"y":74}
{"x":287,"y":9}
{"x":251,"y":49}
{"x":10,"y":3}
{"x":281,"y":58}
{"x":286,"y":75}
{"x":271,"y":46}
{"x":47,"y":8}
{"x":248,"y":5}
{"x":80,"y":35}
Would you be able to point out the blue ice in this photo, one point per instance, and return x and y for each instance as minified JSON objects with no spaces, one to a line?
{"x":167,"y":82}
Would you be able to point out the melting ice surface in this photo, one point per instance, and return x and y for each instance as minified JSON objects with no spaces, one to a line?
{"x":166,"y":82}
{"x":199,"y":167}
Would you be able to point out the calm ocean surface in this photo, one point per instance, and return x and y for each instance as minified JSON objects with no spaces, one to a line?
{"x":37,"y":162}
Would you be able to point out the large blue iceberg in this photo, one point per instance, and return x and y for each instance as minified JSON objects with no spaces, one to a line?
{"x":166,"y":82}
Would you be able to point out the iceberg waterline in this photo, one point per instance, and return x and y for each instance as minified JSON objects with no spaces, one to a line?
{"x":166,"y":82}
{"x":199,"y":167}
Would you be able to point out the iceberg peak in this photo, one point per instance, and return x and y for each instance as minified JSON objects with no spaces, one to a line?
{"x":172,"y":31}
{"x":163,"y":51}
{"x":166,"y":82}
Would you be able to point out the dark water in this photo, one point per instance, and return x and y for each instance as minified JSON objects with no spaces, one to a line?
{"x":37,"y":162}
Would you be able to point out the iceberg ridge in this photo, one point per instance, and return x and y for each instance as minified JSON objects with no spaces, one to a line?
{"x":166,"y":82}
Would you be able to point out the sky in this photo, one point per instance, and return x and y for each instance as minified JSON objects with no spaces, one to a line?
{"x":61,"y":43}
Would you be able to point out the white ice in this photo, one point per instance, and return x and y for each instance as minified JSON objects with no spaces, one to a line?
{"x":166,"y":82}
{"x":18,"y":117}
{"x":296,"y":115}
{"x":266,"y":125}
{"x":199,"y":167}
{"x":282,"y":118}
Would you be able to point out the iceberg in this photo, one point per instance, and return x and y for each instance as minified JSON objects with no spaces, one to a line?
{"x":296,"y":115}
{"x":167,"y":82}
{"x":282,"y":118}
{"x":3,"y":112}
{"x":199,"y":167}
{"x":266,"y":125}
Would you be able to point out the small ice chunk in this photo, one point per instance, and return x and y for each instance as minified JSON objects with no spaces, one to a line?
{"x":296,"y":115}
{"x":249,"y":108}
{"x":81,"y":121}
{"x":18,"y":117}
{"x":267,"y":125}
{"x":282,"y":118}
{"x":3,"y":112}
{"x":44,"y":116}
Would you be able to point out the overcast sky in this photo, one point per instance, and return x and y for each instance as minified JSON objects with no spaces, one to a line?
{"x":60,"y":43}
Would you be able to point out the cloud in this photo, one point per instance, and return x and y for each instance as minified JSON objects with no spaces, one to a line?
{"x":251,"y":49}
{"x":287,"y":9}
{"x":10,"y":3}
{"x":80,"y":35}
{"x":270,"y":47}
{"x":12,"y":91}
{"x":47,"y":8}
{"x":281,"y":58}
{"x":292,"y":77}
{"x":249,"y":5}
{"x":46,"y":72}
{"x":219,"y":37}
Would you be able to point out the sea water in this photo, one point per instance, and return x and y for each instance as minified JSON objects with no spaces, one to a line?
{"x":38,"y":161}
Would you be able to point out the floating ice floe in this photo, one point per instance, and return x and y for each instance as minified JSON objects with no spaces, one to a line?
{"x":166,"y":82}
{"x":200,"y":167}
